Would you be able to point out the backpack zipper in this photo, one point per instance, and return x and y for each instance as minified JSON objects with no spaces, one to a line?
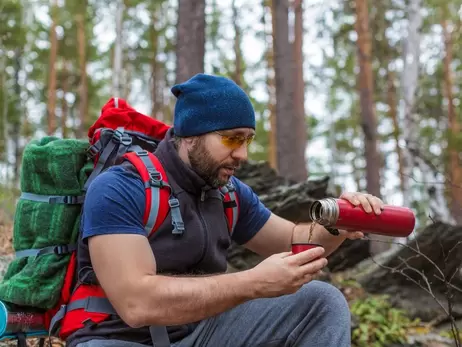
{"x":199,"y":210}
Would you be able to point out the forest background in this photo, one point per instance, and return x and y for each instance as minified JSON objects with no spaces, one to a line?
{"x":365,"y":92}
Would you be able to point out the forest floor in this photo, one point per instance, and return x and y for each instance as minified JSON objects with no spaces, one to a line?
{"x":420,"y":334}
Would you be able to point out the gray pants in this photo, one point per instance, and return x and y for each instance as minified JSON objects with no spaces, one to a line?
{"x":315,"y":316}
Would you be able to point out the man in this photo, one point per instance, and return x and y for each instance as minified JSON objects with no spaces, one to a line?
{"x":181,"y":282}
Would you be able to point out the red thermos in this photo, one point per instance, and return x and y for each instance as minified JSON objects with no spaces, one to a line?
{"x":394,"y":221}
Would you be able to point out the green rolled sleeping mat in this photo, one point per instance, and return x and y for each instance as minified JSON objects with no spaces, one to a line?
{"x":47,"y":214}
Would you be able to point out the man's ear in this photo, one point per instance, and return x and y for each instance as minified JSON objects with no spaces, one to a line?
{"x":189,"y":140}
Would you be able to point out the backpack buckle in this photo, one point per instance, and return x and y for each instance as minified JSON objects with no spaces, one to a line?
{"x":61,"y":249}
{"x":155,"y":178}
{"x":121,"y":137}
{"x":92,"y":151}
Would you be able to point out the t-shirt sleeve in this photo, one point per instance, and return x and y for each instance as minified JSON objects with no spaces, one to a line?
{"x":253,"y":214}
{"x":114,"y":204}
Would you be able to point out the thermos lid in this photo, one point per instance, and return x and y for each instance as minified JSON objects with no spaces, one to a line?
{"x":3,"y":318}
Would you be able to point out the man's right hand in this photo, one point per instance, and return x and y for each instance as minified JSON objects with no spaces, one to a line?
{"x":284,"y":273}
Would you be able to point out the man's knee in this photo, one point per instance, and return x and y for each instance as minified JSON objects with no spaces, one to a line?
{"x":326,"y":297}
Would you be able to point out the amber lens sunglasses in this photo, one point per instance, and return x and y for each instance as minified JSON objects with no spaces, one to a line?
{"x":236,"y":141}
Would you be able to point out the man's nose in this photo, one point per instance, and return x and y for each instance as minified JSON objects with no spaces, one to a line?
{"x":240,"y":153}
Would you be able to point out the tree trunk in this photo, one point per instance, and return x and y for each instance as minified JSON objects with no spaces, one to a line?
{"x":289,"y":162}
{"x":455,"y":168}
{"x":368,"y":115}
{"x":156,"y":90}
{"x":414,"y":158}
{"x":393,"y":114}
{"x":64,"y":105}
{"x":118,"y":51}
{"x":270,"y":82}
{"x":366,"y":94}
{"x":51,"y":105}
{"x":5,"y":100}
{"x":190,"y":45}
{"x":299,"y":90}
{"x":83,"y":85}
{"x":237,"y":76}
{"x":16,"y":129}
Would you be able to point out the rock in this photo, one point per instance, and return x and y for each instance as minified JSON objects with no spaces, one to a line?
{"x":434,"y":255}
{"x":350,"y":253}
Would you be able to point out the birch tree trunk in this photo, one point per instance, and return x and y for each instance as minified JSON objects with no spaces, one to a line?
{"x":393,"y":114}
{"x":413,"y":156}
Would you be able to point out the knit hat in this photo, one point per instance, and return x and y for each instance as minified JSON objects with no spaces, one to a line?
{"x":207,"y":103}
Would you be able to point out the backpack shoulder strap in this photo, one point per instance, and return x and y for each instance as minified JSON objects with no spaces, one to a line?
{"x":231,"y":205}
{"x":159,"y":197}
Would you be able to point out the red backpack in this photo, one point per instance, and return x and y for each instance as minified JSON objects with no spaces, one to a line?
{"x":119,"y":134}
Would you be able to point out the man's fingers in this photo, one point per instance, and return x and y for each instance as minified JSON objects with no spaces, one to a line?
{"x":376,"y":203}
{"x":363,"y":199}
{"x":351,"y":197}
{"x":307,"y":256}
{"x":313,"y":267}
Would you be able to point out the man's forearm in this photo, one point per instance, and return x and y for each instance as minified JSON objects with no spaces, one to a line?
{"x":168,"y":300}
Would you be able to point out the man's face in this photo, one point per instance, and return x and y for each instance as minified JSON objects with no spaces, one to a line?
{"x":216,"y":156}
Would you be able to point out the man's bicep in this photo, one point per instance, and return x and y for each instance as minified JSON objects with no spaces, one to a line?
{"x":121,"y":263}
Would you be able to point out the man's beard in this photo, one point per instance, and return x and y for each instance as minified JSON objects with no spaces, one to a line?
{"x":205,"y":166}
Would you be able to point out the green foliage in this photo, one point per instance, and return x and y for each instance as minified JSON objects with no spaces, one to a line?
{"x":379,"y":324}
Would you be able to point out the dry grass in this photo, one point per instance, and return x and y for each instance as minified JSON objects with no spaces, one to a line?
{"x":6,"y":233}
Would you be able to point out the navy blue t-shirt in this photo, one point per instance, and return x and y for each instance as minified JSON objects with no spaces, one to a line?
{"x":116,"y":199}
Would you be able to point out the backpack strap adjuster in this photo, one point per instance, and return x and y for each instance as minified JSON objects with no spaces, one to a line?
{"x":155,"y":179}
{"x":142,"y":153}
{"x":119,"y":136}
{"x":177,"y":220}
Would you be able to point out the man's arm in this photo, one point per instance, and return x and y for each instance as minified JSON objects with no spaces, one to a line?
{"x":277,"y":233}
{"x":125,"y":267}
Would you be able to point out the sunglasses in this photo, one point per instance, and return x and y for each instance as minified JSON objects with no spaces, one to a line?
{"x":235,"y":141}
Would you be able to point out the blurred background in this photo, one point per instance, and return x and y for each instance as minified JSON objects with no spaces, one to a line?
{"x":366,"y":92}
{"x":363,"y":95}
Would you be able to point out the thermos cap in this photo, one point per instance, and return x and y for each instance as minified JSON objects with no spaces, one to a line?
{"x":3,"y":319}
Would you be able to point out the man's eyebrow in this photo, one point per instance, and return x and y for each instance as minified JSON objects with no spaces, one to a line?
{"x":238,"y":132}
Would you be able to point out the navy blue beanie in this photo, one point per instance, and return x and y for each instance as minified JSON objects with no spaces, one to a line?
{"x":208,"y":103}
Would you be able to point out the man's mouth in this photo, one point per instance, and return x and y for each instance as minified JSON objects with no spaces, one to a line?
{"x":229,"y":169}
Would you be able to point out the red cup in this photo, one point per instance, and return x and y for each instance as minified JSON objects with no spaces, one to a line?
{"x":300,"y":247}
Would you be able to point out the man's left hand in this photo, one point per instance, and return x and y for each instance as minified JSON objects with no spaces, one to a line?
{"x":370,"y":204}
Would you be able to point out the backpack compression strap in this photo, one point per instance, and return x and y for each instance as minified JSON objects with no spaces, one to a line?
{"x":50,"y":199}
{"x":158,"y":192}
{"x":231,"y":205}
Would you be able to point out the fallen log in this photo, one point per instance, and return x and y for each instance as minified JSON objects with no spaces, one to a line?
{"x":422,"y":275}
